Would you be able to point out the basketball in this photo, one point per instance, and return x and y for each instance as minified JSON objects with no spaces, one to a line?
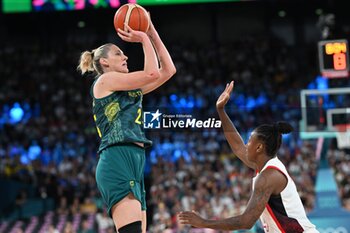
{"x":133,"y":15}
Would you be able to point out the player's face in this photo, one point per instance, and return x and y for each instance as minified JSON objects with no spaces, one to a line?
{"x":252,"y":147}
{"x":117,"y":60}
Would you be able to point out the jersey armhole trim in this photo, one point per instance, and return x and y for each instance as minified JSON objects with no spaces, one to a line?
{"x":278,"y":169}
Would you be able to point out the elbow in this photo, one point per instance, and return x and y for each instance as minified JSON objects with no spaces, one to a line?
{"x":248,"y":223}
{"x":169,"y":73}
{"x":153,"y":75}
{"x":172,"y":71}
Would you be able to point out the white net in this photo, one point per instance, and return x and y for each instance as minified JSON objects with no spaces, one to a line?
{"x":343,"y":137}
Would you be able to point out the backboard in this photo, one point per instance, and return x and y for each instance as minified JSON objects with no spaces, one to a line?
{"x":326,"y":113}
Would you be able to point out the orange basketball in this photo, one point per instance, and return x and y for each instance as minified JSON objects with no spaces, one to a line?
{"x":133,"y":15}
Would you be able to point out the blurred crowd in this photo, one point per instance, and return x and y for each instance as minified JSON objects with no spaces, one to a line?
{"x":52,"y":144}
{"x":340,"y":162}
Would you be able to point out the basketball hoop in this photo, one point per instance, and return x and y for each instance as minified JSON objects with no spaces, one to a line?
{"x":343,"y":135}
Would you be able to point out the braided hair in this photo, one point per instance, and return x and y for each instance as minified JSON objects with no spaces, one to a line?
{"x":271,"y":135}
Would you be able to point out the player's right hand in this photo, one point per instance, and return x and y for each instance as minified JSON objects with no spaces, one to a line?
{"x":225,"y":95}
{"x":191,"y":218}
{"x":131,"y":35}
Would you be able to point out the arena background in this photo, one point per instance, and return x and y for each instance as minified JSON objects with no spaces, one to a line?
{"x":48,"y":140}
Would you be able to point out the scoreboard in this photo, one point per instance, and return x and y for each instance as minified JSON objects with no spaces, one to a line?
{"x":334,"y":58}
{"x":21,"y":6}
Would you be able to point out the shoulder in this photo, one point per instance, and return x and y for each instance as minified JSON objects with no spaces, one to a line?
{"x":108,"y":75}
{"x":274,"y":178}
{"x":276,"y":168}
{"x":113,"y":76}
{"x":105,"y":80}
{"x":263,"y":188}
{"x":265,"y":183}
{"x":272,"y":174}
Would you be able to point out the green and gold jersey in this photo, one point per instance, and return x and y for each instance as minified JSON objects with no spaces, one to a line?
{"x":119,"y":118}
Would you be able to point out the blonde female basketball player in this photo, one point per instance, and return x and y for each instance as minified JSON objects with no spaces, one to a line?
{"x":117,"y":108}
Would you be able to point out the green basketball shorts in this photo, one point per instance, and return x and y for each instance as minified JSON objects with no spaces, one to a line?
{"x":120,"y":171}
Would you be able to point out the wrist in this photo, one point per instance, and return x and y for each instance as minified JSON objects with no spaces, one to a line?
{"x":204,"y":223}
{"x":150,"y":28}
{"x":210,"y":223}
{"x":144,"y":38}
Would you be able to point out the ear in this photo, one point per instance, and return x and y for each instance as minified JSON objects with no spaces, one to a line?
{"x":104,"y":62}
{"x":260,"y":148}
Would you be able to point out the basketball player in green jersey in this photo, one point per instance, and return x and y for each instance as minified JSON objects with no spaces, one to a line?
{"x":117,"y":108}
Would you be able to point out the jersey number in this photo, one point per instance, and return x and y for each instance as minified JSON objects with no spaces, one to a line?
{"x":137,"y":120}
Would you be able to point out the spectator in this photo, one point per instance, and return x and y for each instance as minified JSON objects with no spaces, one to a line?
{"x":52,"y":229}
{"x":103,"y":220}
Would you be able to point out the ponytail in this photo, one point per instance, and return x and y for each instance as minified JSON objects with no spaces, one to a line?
{"x":86,"y":62}
{"x":284,"y":127}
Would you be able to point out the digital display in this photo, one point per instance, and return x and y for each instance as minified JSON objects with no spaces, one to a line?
{"x":334,"y":58}
{"x":47,"y":5}
{"x":9,"y":6}
{"x":163,"y":2}
{"x":17,"y":6}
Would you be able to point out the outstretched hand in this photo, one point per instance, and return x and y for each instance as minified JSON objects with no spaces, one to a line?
{"x":131,"y":35}
{"x":225,"y":95}
{"x":191,"y":218}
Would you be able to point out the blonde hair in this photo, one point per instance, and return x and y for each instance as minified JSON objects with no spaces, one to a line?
{"x":90,"y":60}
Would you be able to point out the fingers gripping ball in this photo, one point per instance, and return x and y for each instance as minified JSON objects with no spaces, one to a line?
{"x":133,"y":15}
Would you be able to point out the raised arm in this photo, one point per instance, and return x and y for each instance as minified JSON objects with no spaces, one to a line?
{"x":233,"y":137}
{"x":115,"y":81}
{"x":166,"y":66}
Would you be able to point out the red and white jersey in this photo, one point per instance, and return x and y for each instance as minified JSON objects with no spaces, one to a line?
{"x":284,"y":212}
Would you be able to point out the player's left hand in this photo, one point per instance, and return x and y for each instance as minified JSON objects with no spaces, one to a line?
{"x":225,"y":96}
{"x":191,"y":218}
{"x":131,"y":35}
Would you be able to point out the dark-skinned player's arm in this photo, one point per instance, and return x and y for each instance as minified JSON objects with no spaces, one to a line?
{"x":232,"y":135}
{"x":269,"y":182}
{"x":166,"y":65}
